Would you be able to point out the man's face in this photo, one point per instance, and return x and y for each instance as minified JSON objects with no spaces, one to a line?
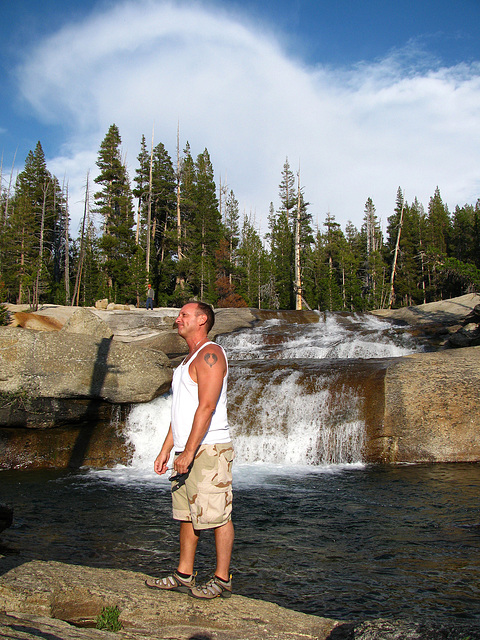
{"x":188,"y":322}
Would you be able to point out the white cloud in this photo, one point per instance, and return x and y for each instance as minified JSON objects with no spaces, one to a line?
{"x":357,"y":133}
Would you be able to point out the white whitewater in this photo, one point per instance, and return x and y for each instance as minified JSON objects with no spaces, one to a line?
{"x":334,"y":336}
{"x":284,"y":417}
{"x":283,"y":422}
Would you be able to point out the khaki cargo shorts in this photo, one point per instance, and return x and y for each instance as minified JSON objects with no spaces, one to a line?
{"x":204,"y":496}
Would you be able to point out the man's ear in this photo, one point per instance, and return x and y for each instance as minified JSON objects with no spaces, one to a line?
{"x":202,"y":319}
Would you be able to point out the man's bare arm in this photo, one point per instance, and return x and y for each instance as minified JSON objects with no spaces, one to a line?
{"x":208,"y":370}
{"x":161,"y":461}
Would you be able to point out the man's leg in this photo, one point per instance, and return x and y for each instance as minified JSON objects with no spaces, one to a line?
{"x":224,"y":536}
{"x":188,"y":547}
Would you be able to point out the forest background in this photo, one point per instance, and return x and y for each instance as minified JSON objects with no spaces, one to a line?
{"x":174,"y":227}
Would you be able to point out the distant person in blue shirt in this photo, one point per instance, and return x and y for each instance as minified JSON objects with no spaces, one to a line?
{"x":150,"y":297}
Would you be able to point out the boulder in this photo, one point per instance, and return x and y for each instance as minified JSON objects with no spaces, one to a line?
{"x":46,"y":595}
{"x":84,"y":322}
{"x":113,"y":306}
{"x":137,"y":325}
{"x":473,"y":317}
{"x":445,"y":312}
{"x":228,"y":320}
{"x":67,"y":365}
{"x":167,"y":341}
{"x":469,"y":333}
{"x":55,"y":434}
{"x":464,"y":337}
{"x":427,"y":410}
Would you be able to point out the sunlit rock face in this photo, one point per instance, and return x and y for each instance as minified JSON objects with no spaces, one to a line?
{"x":430,"y":411}
{"x":67,"y":365}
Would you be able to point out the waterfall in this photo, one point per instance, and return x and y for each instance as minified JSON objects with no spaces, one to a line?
{"x":287,"y":417}
{"x":147,"y":427}
{"x":337,"y":336}
{"x":296,"y":391}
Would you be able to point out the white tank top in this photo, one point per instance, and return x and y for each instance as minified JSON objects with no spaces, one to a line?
{"x":185,"y":403}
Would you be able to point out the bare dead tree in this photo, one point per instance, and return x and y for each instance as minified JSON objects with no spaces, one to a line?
{"x":36,"y":292}
{"x":149,"y":209}
{"x":394,"y":265}
{"x":179,"y":280}
{"x":67,"y":244}
{"x":298,"y":274}
{"x":81,"y":257}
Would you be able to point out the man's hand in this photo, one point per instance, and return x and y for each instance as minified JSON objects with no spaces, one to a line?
{"x":183,"y":462}
{"x":160,"y":464}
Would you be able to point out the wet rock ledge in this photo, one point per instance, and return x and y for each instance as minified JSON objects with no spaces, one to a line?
{"x":56,"y":601}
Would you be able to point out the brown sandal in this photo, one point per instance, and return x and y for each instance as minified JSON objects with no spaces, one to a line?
{"x":212,"y":589}
{"x":172,"y":582}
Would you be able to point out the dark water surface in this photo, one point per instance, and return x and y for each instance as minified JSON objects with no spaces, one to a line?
{"x":348,"y":543}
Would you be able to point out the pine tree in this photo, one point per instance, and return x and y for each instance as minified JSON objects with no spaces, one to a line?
{"x":352,"y":260}
{"x":438,"y":232}
{"x":114,"y":204}
{"x":288,"y":195}
{"x":206,"y":230}
{"x":232,"y":230}
{"x":164,"y":230}
{"x":282,"y":258}
{"x":374,"y":278}
{"x":184,"y":286}
{"x":331,"y":271}
{"x":394,"y":230}
{"x":438,"y":225}
{"x":281,"y":235}
{"x":141,"y":191}
{"x":253,"y":268}
{"x":33,"y":232}
{"x":303,"y":240}
{"x":476,"y":235}
{"x":226,"y":257}
{"x":463,"y":234}
{"x":417,"y":214}
{"x":59,"y":270}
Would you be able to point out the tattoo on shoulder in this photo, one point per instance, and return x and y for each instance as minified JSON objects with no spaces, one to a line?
{"x":210,"y":359}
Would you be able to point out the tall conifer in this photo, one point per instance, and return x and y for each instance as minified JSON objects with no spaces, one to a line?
{"x":114,"y":204}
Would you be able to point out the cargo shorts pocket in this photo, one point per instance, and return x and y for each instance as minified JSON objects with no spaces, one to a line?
{"x":213,"y":503}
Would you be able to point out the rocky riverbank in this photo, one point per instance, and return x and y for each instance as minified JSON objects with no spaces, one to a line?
{"x":60,"y":594}
{"x":56,"y":601}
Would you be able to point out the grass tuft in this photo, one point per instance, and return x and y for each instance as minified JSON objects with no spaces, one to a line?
{"x":108,"y":619}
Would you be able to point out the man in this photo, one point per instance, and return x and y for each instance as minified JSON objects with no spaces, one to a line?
{"x":199,"y":435}
{"x":150,"y":297}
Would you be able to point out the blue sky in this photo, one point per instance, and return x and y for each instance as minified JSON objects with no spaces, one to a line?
{"x":364,"y":96}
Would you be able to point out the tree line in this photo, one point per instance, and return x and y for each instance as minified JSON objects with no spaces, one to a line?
{"x":171,"y":225}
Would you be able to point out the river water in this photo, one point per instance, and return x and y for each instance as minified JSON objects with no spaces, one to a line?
{"x":317,"y":529}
